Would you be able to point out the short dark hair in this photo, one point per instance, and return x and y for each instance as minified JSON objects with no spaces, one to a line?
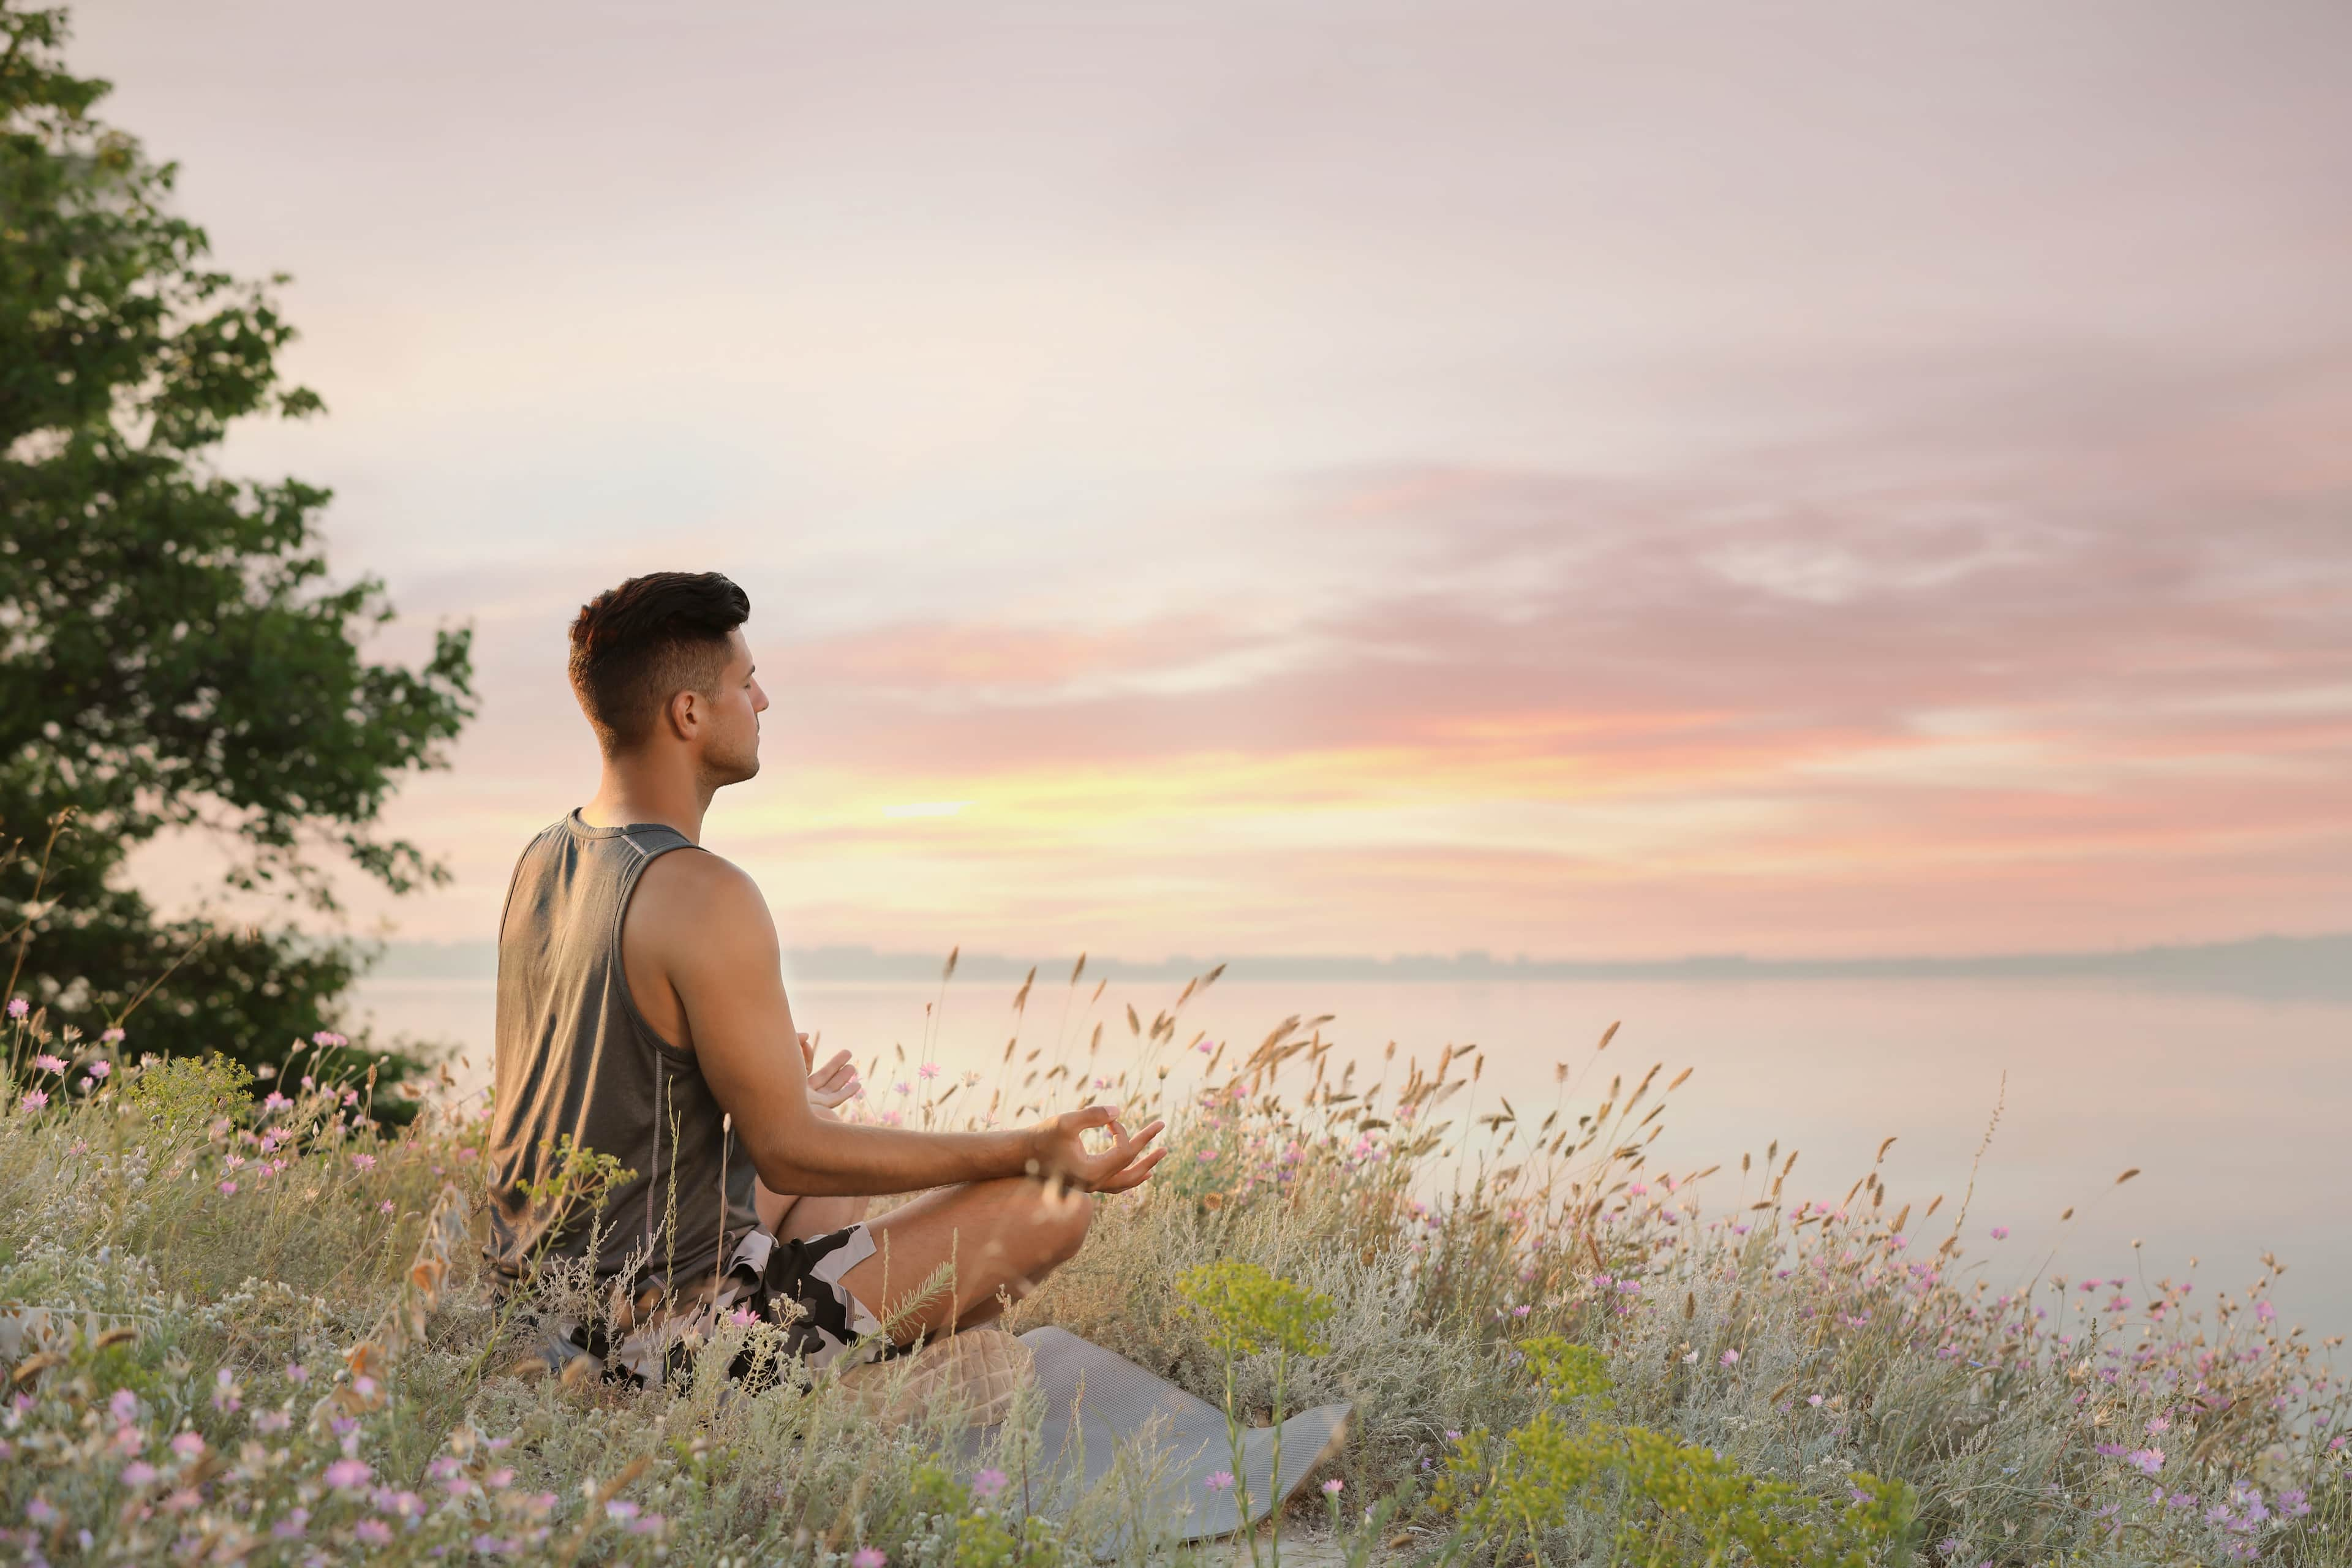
{"x":637,"y":646}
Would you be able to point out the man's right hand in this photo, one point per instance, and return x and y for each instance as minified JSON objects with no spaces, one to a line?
{"x":1060,"y":1152}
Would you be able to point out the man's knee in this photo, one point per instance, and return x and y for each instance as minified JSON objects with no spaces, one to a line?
{"x":1063,"y":1216}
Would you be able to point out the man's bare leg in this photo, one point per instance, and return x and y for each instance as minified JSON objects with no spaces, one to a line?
{"x":790,"y":1218}
{"x":1002,"y":1237}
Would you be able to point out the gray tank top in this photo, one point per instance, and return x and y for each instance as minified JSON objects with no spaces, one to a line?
{"x":575,"y":1056}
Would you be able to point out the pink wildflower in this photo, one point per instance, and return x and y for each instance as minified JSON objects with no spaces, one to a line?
{"x":988,"y":1483}
{"x":349,"y":1475}
{"x":34,"y":1100}
{"x":363,"y":1161}
{"x":1220,"y":1482}
{"x":869,"y":1557}
{"x":48,"y":1063}
{"x":1334,"y":1487}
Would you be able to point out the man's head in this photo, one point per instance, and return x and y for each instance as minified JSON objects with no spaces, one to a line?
{"x":659,"y":662}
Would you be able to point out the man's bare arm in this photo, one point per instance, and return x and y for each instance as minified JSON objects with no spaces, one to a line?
{"x":706,"y":929}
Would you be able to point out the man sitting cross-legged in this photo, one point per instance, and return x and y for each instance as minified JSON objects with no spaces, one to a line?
{"x":641,"y":1013}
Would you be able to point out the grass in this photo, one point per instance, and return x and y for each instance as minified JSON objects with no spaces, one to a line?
{"x":257,"y":1330}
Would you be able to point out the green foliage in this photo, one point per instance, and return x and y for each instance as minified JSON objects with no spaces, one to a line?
{"x":173,"y":653}
{"x":188,"y":1092}
{"x":1246,"y":1310}
{"x":984,"y":1535}
{"x":1681,"y":1502}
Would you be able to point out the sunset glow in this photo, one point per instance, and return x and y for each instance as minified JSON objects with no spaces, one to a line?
{"x":1231,"y":488}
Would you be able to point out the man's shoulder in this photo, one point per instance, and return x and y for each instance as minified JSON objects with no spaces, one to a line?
{"x":682,"y":890}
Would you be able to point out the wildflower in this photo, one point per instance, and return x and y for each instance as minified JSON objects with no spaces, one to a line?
{"x":374,"y":1532}
{"x":274,"y":1100}
{"x":138,"y":1473}
{"x":349,"y":1475}
{"x":40,"y":1512}
{"x":742,"y":1317}
{"x":1220,"y":1482}
{"x":2265,"y":1312}
{"x":1102,"y":1082}
{"x":2000,"y":1233}
{"x":1731,"y":1358}
{"x":988,"y":1483}
{"x":902,"y":1087}
{"x":297,"y":1373}
{"x":327,"y":1037}
{"x":363,"y":1161}
{"x":1521,"y":1310}
{"x":100,"y":1069}
{"x":1204,"y":1048}
{"x":47,"y":1063}
{"x":928,"y":1069}
{"x":1814,"y":1400}
{"x":271,"y":1420}
{"x":123,"y":1406}
{"x":18,"y":1007}
{"x":649,"y":1525}
{"x":291,"y":1527}
{"x":1334,"y":1487}
{"x":228,"y":1189}
{"x":2148,"y":1461}
{"x":500,"y":1479}
{"x":187,"y":1445}
{"x":34,"y":1100}
{"x":2159,"y":1425}
{"x":620,"y":1509}
{"x":869,"y":1557}
{"x":112,"y":1037}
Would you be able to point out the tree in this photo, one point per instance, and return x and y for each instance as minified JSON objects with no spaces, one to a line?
{"x":174,"y":654}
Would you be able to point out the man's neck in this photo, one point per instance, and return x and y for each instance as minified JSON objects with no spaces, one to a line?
{"x":632,"y":790}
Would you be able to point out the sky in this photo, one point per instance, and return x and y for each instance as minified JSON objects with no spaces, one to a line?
{"x":1582,"y":481}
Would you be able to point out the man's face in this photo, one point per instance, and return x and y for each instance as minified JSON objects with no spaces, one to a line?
{"x":730,"y":738}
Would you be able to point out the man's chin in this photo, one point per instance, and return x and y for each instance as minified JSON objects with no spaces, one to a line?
{"x":732,"y":771}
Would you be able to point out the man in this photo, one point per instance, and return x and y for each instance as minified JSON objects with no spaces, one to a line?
{"x":642,"y":1016}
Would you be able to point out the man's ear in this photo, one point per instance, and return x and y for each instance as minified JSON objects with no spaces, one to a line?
{"x":684,"y":713}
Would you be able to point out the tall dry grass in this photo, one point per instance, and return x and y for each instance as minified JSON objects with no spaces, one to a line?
{"x":257,"y":1330}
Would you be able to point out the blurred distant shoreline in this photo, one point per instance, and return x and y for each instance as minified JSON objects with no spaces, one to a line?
{"x":2282,"y":968}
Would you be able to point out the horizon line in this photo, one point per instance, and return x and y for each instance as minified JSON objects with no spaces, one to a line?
{"x":2272,"y":966}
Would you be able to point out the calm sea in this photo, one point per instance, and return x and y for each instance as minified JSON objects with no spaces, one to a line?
{"x":2237,"y":1111}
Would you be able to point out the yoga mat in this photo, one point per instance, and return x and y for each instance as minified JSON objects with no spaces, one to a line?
{"x":1097,"y":1402}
